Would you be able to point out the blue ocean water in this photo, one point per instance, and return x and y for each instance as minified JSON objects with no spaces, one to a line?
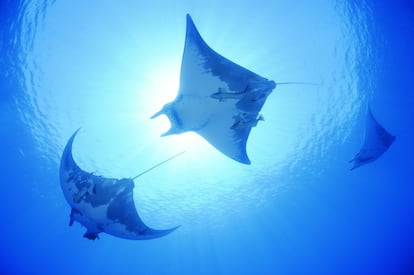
{"x":297,"y":209}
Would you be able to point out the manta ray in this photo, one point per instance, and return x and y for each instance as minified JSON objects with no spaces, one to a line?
{"x":377,"y":140}
{"x":103,"y":204}
{"x":217,"y":99}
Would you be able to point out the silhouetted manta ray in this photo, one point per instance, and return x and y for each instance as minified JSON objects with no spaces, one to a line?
{"x":103,"y":204}
{"x":377,"y":140}
{"x":217,"y":99}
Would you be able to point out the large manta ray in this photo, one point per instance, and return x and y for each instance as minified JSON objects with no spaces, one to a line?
{"x":103,"y":204}
{"x":217,"y":99}
{"x":377,"y":140}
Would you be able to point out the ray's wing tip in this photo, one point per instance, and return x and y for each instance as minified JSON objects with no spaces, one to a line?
{"x":66,"y":160}
{"x":355,"y":165}
{"x":68,"y":147}
{"x":168,"y":231}
{"x":156,"y":233}
{"x":246,"y":161}
{"x":243,"y":159}
{"x":174,"y":228}
{"x":75,"y":133}
{"x":189,"y":19}
{"x":191,"y":28}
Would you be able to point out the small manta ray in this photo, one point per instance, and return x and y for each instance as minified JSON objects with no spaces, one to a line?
{"x":217,"y":99}
{"x":377,"y":141}
{"x":103,"y":204}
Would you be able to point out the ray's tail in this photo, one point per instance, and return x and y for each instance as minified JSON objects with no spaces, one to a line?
{"x":155,"y":166}
{"x":297,"y":83}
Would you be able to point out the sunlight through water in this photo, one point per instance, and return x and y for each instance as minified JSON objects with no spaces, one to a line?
{"x":107,"y":68}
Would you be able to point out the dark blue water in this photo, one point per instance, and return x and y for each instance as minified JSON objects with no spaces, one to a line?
{"x":296,"y":209}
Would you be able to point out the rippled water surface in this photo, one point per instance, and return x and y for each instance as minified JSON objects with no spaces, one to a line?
{"x":297,"y":208}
